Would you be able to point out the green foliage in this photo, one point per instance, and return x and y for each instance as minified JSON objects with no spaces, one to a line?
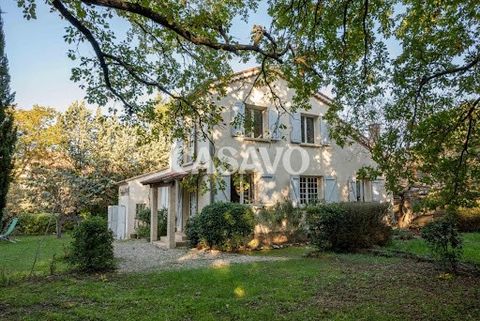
{"x":282,"y":217}
{"x":347,"y":227}
{"x":192,"y":231}
{"x":444,"y":241}
{"x":143,"y":230}
{"x":222,"y":225}
{"x":92,"y":246}
{"x":8,"y":132}
{"x":468,"y":219}
{"x":36,"y":224}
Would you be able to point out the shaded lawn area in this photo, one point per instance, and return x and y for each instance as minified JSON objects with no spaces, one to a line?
{"x":331,"y":287}
{"x":16,"y":259}
{"x":471,"y":247}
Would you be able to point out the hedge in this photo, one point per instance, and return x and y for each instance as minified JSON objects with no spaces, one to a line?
{"x":345,"y":227}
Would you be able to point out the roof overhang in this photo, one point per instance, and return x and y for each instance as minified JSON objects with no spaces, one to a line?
{"x":164,"y":178}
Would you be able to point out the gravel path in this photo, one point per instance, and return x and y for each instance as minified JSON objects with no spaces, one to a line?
{"x":138,"y":255}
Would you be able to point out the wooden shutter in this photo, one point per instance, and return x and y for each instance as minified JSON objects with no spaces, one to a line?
{"x":296,"y":123}
{"x":378,"y":190}
{"x":331,"y":189}
{"x":295,"y":190}
{"x":324,"y":132}
{"x":352,"y":190}
{"x":238,"y":119}
{"x":273,"y":123}
{"x":222,"y":195}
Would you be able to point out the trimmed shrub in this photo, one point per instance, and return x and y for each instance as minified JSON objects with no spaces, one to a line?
{"x":222,"y":225}
{"x":191,"y":231}
{"x":143,"y":231}
{"x":92,"y":246}
{"x":345,"y":227}
{"x":468,"y":219}
{"x":444,"y":241}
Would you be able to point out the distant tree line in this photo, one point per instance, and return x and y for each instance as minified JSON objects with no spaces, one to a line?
{"x":68,"y":163}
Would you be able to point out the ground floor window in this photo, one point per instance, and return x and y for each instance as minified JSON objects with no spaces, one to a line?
{"x":139,"y":207}
{"x":309,"y":189}
{"x":242,"y":188}
{"x":193,"y":203}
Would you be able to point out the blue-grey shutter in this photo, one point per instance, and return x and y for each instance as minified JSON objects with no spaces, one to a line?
{"x":352,"y":190}
{"x":238,"y":119}
{"x":274,"y":123}
{"x":295,"y":190}
{"x":331,"y":190}
{"x":222,"y":190}
{"x":378,"y":189}
{"x":324,"y":132}
{"x":296,"y":123}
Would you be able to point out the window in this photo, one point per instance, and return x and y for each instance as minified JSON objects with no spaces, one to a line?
{"x":138,"y":208}
{"x":193,"y":203}
{"x":309,"y":189}
{"x":242,"y":188}
{"x":254,"y":122}
{"x":308,"y":129}
{"x":189,"y":151}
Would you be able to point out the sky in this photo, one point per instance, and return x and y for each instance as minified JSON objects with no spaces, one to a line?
{"x":39,"y":67}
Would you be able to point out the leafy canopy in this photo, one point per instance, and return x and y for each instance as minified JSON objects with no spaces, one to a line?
{"x":410,"y":65}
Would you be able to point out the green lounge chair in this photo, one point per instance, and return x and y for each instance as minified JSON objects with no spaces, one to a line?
{"x":6,"y":235}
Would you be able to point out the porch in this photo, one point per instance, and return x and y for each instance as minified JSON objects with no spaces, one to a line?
{"x":181,"y":205}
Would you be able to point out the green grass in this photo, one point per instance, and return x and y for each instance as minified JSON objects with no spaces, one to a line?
{"x":471,"y":247}
{"x":329,"y":287}
{"x":17,"y":258}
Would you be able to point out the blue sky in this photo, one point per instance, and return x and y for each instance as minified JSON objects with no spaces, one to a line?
{"x":37,"y":54}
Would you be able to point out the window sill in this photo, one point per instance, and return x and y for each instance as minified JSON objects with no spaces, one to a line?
{"x":310,"y":145}
{"x":261,"y":140}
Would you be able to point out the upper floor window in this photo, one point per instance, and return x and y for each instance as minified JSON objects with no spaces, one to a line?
{"x":254,"y":122}
{"x":309,"y":189}
{"x":308,"y":129}
{"x":189,"y":151}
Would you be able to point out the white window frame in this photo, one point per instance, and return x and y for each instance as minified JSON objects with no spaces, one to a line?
{"x":308,"y":183}
{"x":249,"y":112}
{"x":303,"y":128}
{"x":190,"y":142}
{"x":250,"y":192}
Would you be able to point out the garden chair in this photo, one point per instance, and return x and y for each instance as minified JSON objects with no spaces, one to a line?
{"x":6,"y":235}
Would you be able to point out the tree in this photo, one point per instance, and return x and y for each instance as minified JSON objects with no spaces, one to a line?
{"x":402,"y":63}
{"x":69,"y":163}
{"x":7,"y":128}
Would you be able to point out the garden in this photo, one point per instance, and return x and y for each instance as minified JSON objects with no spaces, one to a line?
{"x":348,"y":270}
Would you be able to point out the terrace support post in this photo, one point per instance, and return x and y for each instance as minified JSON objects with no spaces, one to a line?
{"x":153,"y":214}
{"x":172,"y":214}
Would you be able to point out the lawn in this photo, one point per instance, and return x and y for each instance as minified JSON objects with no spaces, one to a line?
{"x":471,"y":247}
{"x":16,"y":259}
{"x":331,"y":287}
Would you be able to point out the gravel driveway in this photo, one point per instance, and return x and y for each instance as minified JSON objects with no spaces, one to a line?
{"x":139,"y":255}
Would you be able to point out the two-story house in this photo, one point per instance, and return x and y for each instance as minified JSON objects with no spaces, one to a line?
{"x":275,"y":155}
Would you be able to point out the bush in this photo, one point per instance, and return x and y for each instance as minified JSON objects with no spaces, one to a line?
{"x":444,"y":241}
{"x":347,"y":227}
{"x":36,"y":224}
{"x":222,"y":225}
{"x":468,"y":219}
{"x":92,"y":246}
{"x":143,"y":231}
{"x":283,"y":216}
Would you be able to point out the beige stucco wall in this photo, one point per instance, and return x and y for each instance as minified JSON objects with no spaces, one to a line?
{"x":324,"y":160}
{"x":138,"y":194}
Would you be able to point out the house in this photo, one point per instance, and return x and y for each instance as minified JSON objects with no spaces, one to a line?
{"x":267,"y":156}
